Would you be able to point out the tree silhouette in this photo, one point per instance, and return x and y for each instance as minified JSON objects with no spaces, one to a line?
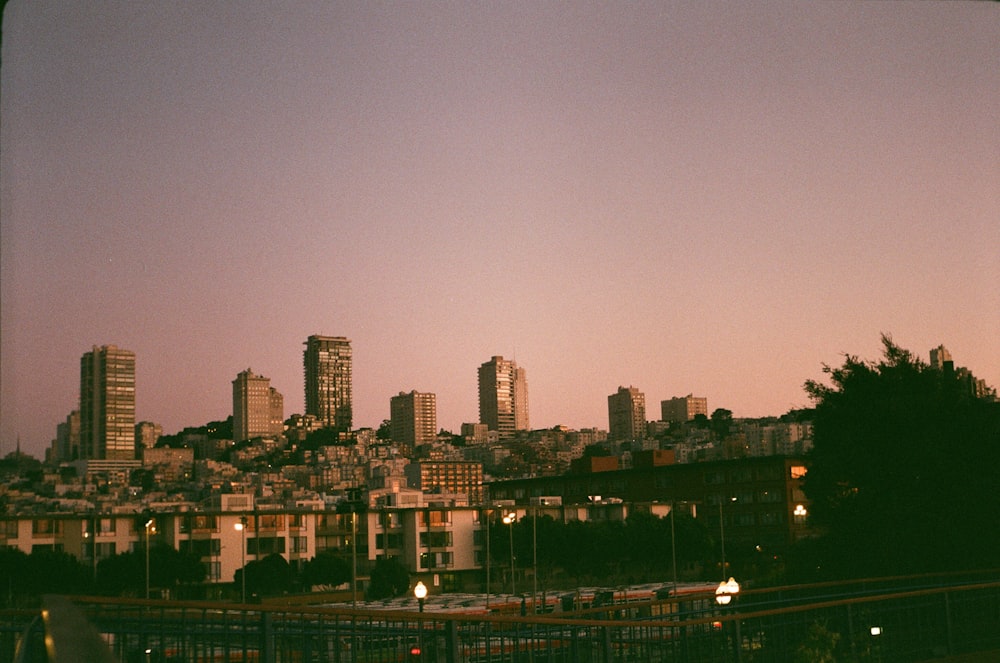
{"x":389,"y":578}
{"x":901,"y":478}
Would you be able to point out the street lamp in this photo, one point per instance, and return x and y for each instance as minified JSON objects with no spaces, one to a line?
{"x":420,"y":591}
{"x":241,"y":527}
{"x":150,"y":527}
{"x":534,"y":560}
{"x":727,"y":591}
{"x":722,"y":535}
{"x":509,"y":519}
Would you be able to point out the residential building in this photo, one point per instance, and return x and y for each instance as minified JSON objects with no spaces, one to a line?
{"x":503,"y":397}
{"x":626,"y":415}
{"x":327,"y":361}
{"x":258,"y":408}
{"x":448,"y":477}
{"x":107,"y":404}
{"x":683,"y":408}
{"x":759,"y":499}
{"x":413,"y":418}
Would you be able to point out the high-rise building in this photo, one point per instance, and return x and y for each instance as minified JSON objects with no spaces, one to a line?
{"x":626,"y":415}
{"x":939,"y":357}
{"x":258,"y":408}
{"x":67,"y":446}
{"x":146,"y":434}
{"x":413,"y":418}
{"x":107,"y":404}
{"x":503,"y":397}
{"x":683,"y":408}
{"x":327,"y":362}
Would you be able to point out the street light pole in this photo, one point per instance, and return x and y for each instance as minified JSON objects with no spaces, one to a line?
{"x":722,"y":535}
{"x":241,"y":527}
{"x":488,"y":520}
{"x":534,"y":560}
{"x":150,"y":527}
{"x":509,"y":520}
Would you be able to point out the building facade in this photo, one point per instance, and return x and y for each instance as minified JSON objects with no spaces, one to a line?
{"x":327,"y":361}
{"x":683,"y":408}
{"x":503,"y":397}
{"x":626,"y":415}
{"x":413,"y":418}
{"x":447,"y":477}
{"x":107,"y":404}
{"x":258,"y":408}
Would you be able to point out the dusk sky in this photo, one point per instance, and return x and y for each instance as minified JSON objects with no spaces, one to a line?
{"x":713,"y":198}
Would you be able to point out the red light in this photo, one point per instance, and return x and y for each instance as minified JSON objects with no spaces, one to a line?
{"x":414,"y":651}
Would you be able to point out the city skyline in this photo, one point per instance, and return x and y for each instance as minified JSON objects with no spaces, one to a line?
{"x":691,"y":198}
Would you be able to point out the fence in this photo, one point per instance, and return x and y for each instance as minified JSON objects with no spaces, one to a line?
{"x":875,"y":622}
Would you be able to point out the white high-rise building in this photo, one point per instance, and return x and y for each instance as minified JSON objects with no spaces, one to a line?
{"x":258,"y":408}
{"x":503,"y":397}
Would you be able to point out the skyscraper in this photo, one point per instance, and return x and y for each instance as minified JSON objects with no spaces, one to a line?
{"x":626,"y":415}
{"x":327,"y":362}
{"x":258,"y":408}
{"x":413,"y":418}
{"x":107,"y":404}
{"x":503,"y":397}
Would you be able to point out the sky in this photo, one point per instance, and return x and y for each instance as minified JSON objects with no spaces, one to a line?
{"x":708,"y":198}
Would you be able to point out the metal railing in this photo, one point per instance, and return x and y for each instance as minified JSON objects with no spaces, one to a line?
{"x":885,"y":622}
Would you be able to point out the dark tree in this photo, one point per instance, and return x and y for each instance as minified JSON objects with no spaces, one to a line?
{"x":722,"y":422}
{"x":901,"y":477}
{"x":384,"y":431}
{"x":270,"y":576}
{"x":326,"y":568}
{"x":389,"y":578}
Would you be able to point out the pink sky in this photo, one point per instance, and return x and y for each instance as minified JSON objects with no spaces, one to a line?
{"x":707,"y":198}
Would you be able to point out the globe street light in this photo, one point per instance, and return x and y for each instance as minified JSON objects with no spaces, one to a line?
{"x":420,"y":591}
{"x":727,"y":591}
{"x":241,"y":527}
{"x":509,"y":519}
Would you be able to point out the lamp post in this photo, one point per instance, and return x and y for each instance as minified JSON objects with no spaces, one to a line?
{"x":241,"y":527}
{"x":509,"y":519}
{"x":150,"y":529}
{"x":722,"y":535}
{"x":534,"y":560}
{"x":488,"y":520}
{"x":724,"y":595}
{"x":420,"y":591}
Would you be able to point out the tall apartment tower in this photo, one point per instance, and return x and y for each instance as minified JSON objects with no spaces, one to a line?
{"x":626,"y":415}
{"x":327,"y":362}
{"x":107,"y":404}
{"x":67,"y":445}
{"x":683,"y":408}
{"x":413,"y":418}
{"x":258,"y":408}
{"x":940,"y":356}
{"x":503,"y":397}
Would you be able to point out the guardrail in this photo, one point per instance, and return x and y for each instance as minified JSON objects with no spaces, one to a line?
{"x":762,"y":627}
